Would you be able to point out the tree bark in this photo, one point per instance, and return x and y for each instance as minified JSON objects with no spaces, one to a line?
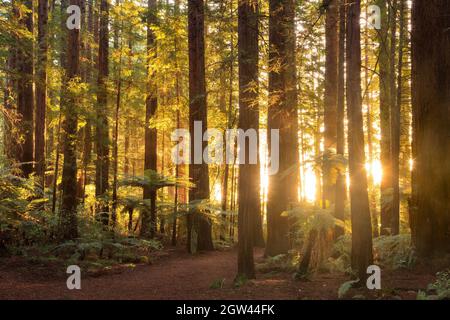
{"x":198,"y":172}
{"x":148,"y":227}
{"x":331,"y":87}
{"x":41,"y":92}
{"x":282,"y":115}
{"x":395,"y":128}
{"x":68,"y":222}
{"x":249,"y":180}
{"x":340,"y":114}
{"x":431,"y":130}
{"x":360,"y":212}
{"x":385,"y":157}
{"x":25,"y":92}
{"x":176,"y":13}
{"x":102,"y":130}
{"x":115,"y":153}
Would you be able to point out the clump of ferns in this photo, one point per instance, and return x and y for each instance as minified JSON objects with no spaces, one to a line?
{"x":315,"y":227}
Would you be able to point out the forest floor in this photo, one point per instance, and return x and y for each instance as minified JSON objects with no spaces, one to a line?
{"x":178,"y":275}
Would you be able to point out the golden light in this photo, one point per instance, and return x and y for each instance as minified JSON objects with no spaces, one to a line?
{"x":375,"y":170}
{"x":309,"y":184}
{"x":217,"y":194}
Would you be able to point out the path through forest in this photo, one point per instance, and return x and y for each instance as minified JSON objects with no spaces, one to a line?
{"x":180,"y":276}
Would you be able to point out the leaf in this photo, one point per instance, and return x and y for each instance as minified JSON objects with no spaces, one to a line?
{"x":345,"y":287}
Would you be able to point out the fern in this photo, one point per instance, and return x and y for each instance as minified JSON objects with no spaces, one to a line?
{"x":438,"y":290}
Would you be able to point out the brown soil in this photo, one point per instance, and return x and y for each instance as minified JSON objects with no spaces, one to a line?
{"x":178,"y":275}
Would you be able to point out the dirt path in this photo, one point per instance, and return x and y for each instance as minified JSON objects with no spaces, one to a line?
{"x":179,"y":276}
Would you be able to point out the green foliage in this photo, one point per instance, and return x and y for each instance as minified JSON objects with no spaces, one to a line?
{"x":438,"y":290}
{"x":154,"y":180}
{"x":310,"y":217}
{"x":394,"y":252}
{"x":217,"y":284}
{"x":345,"y":287}
{"x":23,"y":220}
{"x":280,"y":263}
{"x":94,"y":252}
{"x":390,"y":252}
{"x":240,"y":281}
{"x":340,"y":260}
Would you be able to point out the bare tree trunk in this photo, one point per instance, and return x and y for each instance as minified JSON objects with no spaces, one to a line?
{"x":361,"y":222}
{"x":431,"y":130}
{"x":69,"y":174}
{"x":282,"y":115}
{"x":62,"y":90}
{"x":41,"y":92}
{"x":148,"y":227}
{"x":367,"y":99}
{"x":25,"y":92}
{"x":115,"y":153}
{"x":395,"y":128}
{"x":249,"y":198}
{"x":340,"y":114}
{"x":385,"y":157}
{"x":198,"y":172}
{"x":331,"y":87}
{"x":102,"y":130}
{"x":87,"y":77}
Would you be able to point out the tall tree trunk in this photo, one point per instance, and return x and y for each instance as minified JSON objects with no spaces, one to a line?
{"x":395,"y":128}
{"x":69,"y":174}
{"x":384,"y":76}
{"x":282,"y":115}
{"x":340,"y":114}
{"x":102,"y":130}
{"x":62,"y":91}
{"x":367,"y":100}
{"x":431,"y":130}
{"x":87,"y":77}
{"x":115,"y":153}
{"x":176,"y":12}
{"x":392,"y":106}
{"x":361,"y":222}
{"x":148,"y":227}
{"x":249,"y":198}
{"x":198,"y":170}
{"x":331,"y":87}
{"x":41,"y":92}
{"x":25,"y":92}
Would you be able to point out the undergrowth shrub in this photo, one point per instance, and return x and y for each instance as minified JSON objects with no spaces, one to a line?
{"x":94,"y":253}
{"x":394,"y":252}
{"x":280,"y":263}
{"x":438,"y":290}
{"x":390,"y":252}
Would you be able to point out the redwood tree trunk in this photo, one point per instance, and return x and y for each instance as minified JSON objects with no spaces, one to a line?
{"x":431,"y":130}
{"x":385,"y":157}
{"x":361,"y":222}
{"x":102,"y":130}
{"x":69,"y":175}
{"x":41,"y":92}
{"x":395,"y":128}
{"x":148,"y":227}
{"x":249,"y":198}
{"x":331,"y":87}
{"x":282,"y":115}
{"x":340,"y":114}
{"x":25,"y":93}
{"x":198,"y":172}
